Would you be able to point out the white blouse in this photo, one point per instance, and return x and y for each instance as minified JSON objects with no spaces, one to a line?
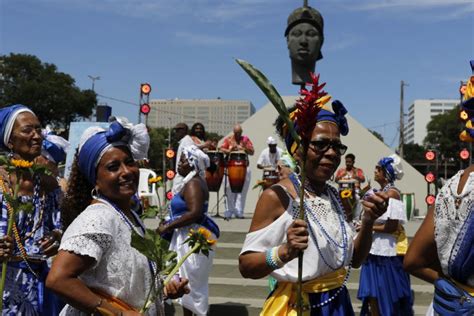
{"x":120,"y":270}
{"x":449,"y":220}
{"x":384,"y":244}
{"x":316,"y":262}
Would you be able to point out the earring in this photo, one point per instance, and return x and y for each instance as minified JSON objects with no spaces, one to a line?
{"x":297,"y":170}
{"x":94,"y":194}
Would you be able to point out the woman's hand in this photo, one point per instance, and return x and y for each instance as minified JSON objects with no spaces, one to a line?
{"x":6,"y":248}
{"x":49,"y":244}
{"x":374,"y":206}
{"x":297,"y":241}
{"x":176,"y":288}
{"x":162,"y":228}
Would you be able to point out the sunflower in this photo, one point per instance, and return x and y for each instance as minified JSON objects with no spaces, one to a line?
{"x":346,"y":194}
{"x":20,"y":163}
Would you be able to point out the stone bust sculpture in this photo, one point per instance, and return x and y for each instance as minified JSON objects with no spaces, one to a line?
{"x":304,"y":36}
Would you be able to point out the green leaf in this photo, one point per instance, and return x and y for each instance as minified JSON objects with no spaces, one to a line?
{"x":272,"y":94}
{"x":145,"y":246}
{"x":150,"y":212}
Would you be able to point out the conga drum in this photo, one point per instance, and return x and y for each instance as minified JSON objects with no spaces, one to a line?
{"x":237,"y":170}
{"x":270,"y":177}
{"x":215,"y":172}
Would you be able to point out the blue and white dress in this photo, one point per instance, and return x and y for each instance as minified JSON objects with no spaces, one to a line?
{"x":382,"y":275}
{"x":25,"y":293}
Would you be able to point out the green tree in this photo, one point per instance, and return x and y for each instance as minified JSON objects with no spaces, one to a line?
{"x":158,"y":143}
{"x":443,"y":134}
{"x":51,"y":94}
{"x":377,"y":134}
{"x":414,"y":153}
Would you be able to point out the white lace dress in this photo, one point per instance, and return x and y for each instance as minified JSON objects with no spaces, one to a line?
{"x":322,"y":256}
{"x":120,"y":270}
{"x":449,"y":219}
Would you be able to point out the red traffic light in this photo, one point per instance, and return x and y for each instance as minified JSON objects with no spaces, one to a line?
{"x":145,"y":108}
{"x":145,"y":88}
{"x":430,"y":177}
{"x":170,"y":174}
{"x":169,"y":195}
{"x":170,"y":153}
{"x":430,"y":199}
{"x":464,"y":154}
{"x":430,"y":155}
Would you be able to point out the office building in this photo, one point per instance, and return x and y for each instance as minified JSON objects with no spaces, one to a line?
{"x":217,"y":115}
{"x":420,"y":113}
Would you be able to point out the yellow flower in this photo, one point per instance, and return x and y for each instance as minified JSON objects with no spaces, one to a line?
{"x":346,"y":194}
{"x":191,"y":232}
{"x":20,"y":163}
{"x":204,"y":232}
{"x":154,"y":180}
{"x":211,"y":242}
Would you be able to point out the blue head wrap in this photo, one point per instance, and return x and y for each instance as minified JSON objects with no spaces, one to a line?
{"x":337,"y":117}
{"x":96,"y":141}
{"x":54,"y":147}
{"x":392,"y":167}
{"x":8,"y":116}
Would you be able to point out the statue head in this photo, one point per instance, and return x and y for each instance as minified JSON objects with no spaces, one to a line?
{"x":305,"y":37}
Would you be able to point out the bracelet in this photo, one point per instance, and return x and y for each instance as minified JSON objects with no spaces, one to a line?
{"x":272,"y":259}
{"x":96,"y":306}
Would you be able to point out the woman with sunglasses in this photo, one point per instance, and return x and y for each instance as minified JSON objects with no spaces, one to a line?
{"x":97,"y":271}
{"x":36,"y":233}
{"x":384,"y":286}
{"x":329,"y":243}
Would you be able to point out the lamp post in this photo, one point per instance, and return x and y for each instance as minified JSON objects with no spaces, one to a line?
{"x":402,"y":118}
{"x":93,"y":90}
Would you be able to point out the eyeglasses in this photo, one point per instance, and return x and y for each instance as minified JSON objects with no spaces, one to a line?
{"x":324,"y":145}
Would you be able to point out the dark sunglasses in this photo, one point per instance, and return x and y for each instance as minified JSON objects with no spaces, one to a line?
{"x":324,"y":145}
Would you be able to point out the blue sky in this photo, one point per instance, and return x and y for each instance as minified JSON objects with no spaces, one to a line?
{"x":186,"y":48}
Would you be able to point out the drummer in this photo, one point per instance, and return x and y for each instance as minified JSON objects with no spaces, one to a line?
{"x":269,"y":156}
{"x":237,"y":142}
{"x":198,"y":135}
{"x":350,"y":173}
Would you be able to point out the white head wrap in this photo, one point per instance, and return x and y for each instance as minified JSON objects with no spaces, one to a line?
{"x":196,"y":158}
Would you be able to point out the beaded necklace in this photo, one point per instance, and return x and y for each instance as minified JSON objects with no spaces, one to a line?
{"x":103,"y":199}
{"x":36,"y":204}
{"x":309,"y":215}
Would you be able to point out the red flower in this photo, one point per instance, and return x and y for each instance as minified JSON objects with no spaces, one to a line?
{"x":308,"y":106}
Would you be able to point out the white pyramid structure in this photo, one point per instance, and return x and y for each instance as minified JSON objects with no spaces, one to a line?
{"x":367,"y":148}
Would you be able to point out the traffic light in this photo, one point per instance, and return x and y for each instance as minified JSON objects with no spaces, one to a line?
{"x":430,"y":177}
{"x":170,"y":154}
{"x":430,"y":199}
{"x":431,"y":174}
{"x":464,"y":154}
{"x":169,"y":195}
{"x":145,"y":88}
{"x":145,"y":108}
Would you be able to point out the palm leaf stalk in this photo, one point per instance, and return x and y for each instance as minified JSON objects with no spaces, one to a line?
{"x":305,"y":115}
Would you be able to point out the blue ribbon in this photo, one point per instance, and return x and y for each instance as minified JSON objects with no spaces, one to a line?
{"x":386,"y":164}
{"x":5,"y":115}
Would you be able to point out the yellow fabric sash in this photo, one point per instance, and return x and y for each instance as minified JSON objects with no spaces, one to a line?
{"x":465,"y":287}
{"x":283,"y":299}
{"x":402,"y":241}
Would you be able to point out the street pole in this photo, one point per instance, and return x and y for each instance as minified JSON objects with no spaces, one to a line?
{"x":402,"y":119}
{"x":93,"y":90}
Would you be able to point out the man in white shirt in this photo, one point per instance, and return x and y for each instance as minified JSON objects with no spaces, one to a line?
{"x":269,"y":156}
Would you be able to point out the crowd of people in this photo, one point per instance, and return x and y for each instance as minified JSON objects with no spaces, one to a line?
{"x":72,"y":254}
{"x":66,"y":245}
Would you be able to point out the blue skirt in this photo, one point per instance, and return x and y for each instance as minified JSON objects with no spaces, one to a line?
{"x":383,"y":278}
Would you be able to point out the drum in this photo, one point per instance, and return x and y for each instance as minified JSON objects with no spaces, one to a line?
{"x":237,"y":170}
{"x":347,"y":184}
{"x":270,"y":177}
{"x":215,"y":172}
